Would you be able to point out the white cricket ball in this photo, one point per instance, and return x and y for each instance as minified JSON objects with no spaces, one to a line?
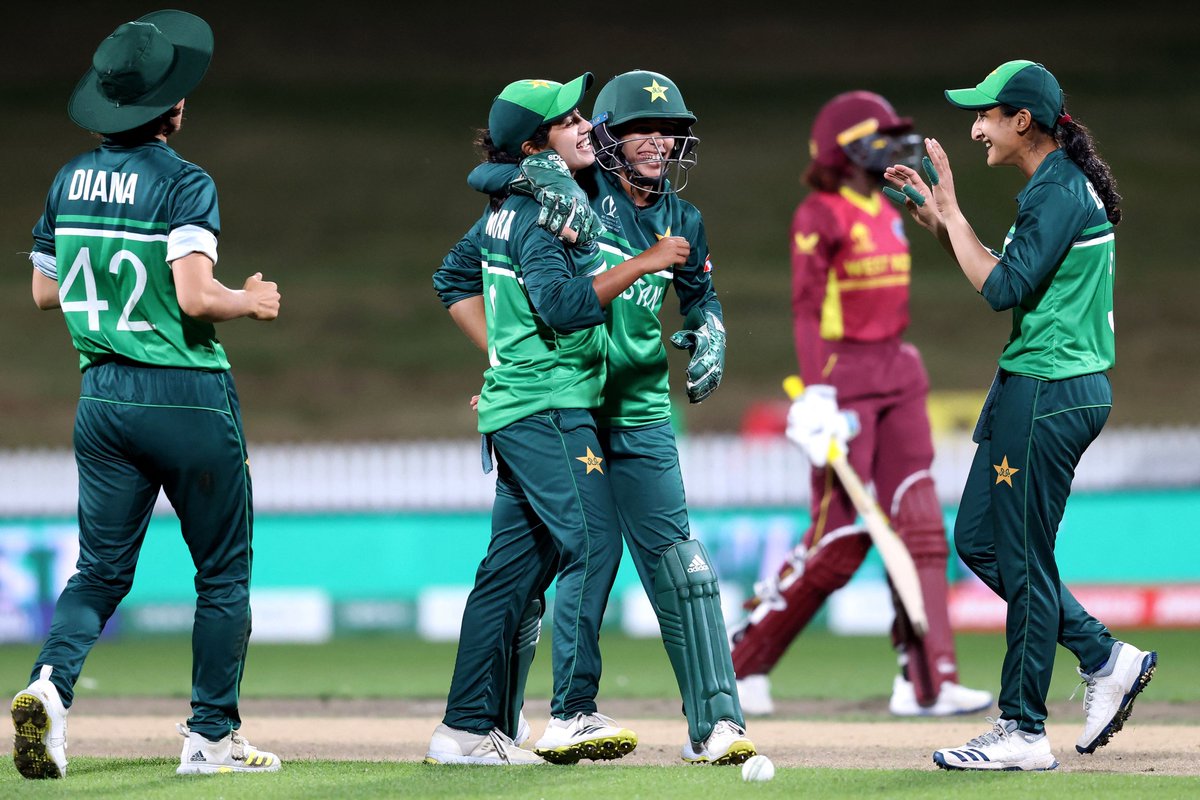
{"x":758,"y":768}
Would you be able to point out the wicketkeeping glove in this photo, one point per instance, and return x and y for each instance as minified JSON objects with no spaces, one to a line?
{"x":566,"y":212}
{"x":707,"y":365}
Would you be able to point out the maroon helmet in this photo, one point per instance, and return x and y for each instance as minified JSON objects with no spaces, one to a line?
{"x":861,"y":128}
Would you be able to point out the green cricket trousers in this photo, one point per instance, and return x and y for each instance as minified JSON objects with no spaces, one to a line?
{"x":553,"y":507}
{"x":1031,"y":435}
{"x":139,"y":429}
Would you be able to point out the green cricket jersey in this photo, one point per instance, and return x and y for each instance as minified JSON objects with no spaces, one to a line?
{"x":546,"y":346}
{"x":1056,"y":274}
{"x":637,"y":391}
{"x":109,"y":216}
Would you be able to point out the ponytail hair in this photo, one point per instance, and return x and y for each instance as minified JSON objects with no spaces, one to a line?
{"x":1077,"y":142}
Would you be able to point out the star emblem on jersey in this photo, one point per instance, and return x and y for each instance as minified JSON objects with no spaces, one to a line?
{"x":539,"y":84}
{"x":656,"y":91}
{"x":593,"y":462}
{"x":661,"y":236}
{"x":1004,"y":472}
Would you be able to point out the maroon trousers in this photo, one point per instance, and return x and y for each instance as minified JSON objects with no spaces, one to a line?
{"x":886,"y":384}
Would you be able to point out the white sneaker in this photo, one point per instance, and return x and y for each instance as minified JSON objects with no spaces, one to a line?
{"x":754,"y":692}
{"x":952,"y":699}
{"x":452,"y":746}
{"x":523,"y":731}
{"x":727,"y":744}
{"x":1108,"y":701}
{"x":229,"y":754}
{"x":592,"y":736}
{"x":1002,"y":748}
{"x":40,"y":730}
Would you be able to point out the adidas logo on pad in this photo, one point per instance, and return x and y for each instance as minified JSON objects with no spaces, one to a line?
{"x":697,"y":564}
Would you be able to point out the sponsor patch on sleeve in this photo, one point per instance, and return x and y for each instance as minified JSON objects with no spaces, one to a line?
{"x":708,"y":263}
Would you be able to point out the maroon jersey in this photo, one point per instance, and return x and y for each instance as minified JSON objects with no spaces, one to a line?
{"x":850,"y":275}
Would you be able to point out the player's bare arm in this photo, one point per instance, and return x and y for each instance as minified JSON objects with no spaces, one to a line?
{"x":201,"y":296}
{"x":666,"y":252}
{"x":45,"y":291}
{"x":471,"y":318}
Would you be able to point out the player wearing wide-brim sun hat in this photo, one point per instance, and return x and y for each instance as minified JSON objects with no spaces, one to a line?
{"x":125,"y":249}
{"x":141,"y":70}
{"x":526,"y":105}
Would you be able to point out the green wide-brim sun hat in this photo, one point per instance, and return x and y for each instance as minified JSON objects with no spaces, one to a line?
{"x":141,"y":70}
{"x":525,"y":105}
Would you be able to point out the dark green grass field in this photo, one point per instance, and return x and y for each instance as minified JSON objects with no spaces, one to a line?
{"x":821,"y":667}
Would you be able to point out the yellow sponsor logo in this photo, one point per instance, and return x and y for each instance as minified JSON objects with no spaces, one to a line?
{"x":807,"y":245}
{"x":860,"y":235}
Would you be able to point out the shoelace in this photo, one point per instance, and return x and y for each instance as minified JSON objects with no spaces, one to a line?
{"x":725,"y":726}
{"x":1089,"y":694}
{"x":993,"y":736}
{"x":500,"y":743}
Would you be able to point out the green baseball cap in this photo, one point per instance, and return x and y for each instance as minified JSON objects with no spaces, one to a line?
{"x":526,"y":105}
{"x":141,"y":70}
{"x":1020,"y":84}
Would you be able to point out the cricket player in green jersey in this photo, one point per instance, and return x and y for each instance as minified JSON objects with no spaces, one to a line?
{"x":1049,"y":401}
{"x":537,"y":308}
{"x":642,"y":132}
{"x":126,"y":249}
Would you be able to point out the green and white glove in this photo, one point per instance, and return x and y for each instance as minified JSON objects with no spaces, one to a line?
{"x":566,"y":211}
{"x":707,"y":365}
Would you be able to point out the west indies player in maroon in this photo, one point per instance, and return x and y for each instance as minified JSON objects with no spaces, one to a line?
{"x":850,"y":278}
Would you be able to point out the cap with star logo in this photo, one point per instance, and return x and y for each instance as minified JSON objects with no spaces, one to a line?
{"x":525,"y":105}
{"x":1019,"y":84}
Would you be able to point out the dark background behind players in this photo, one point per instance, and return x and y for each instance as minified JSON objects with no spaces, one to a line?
{"x":318,"y":129}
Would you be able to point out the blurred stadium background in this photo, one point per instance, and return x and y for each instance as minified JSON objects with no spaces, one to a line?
{"x":340,"y":141}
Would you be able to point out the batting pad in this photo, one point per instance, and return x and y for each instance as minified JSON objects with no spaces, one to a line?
{"x":529,"y":632}
{"x":693,"y":633}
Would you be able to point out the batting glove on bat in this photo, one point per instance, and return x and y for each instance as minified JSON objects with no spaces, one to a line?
{"x":707,"y":365}
{"x":566,"y":212}
{"x":814,"y":422}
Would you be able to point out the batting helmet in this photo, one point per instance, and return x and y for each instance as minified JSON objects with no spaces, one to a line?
{"x":860,"y":128}
{"x":644,"y":95}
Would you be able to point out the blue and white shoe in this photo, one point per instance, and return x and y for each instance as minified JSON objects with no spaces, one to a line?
{"x":1111,"y":690}
{"x":1003,"y":748}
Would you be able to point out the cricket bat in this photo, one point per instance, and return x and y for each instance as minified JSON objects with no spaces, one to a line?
{"x":896,"y":558}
